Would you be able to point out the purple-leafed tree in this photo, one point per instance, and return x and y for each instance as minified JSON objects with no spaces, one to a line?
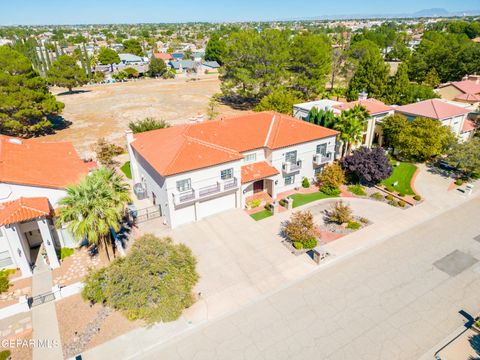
{"x":369,"y":165}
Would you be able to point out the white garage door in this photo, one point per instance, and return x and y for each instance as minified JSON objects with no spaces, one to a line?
{"x":184,"y":215}
{"x":215,"y":206}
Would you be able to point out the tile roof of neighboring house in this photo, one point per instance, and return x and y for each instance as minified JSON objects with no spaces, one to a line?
{"x":467,"y":86}
{"x":468,"y":97}
{"x":193,"y":146}
{"x":22,"y":209}
{"x":163,"y":56}
{"x":257,"y":171}
{"x":433,"y":108}
{"x":35,"y":163}
{"x":468,"y":125}
{"x":373,"y":106}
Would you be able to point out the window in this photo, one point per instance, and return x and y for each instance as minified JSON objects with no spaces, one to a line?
{"x":226,"y":174}
{"x":291,"y":157}
{"x":250,"y":157}
{"x":184,"y":185}
{"x":318,"y":170}
{"x":5,"y":259}
{"x":289,"y":180}
{"x":322,"y":149}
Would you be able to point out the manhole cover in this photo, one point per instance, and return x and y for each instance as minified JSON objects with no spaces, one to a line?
{"x":455,"y":262}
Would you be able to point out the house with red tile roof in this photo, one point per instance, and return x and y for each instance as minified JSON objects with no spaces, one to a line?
{"x":195,"y":170}
{"x":449,"y":114}
{"x":377,"y":110}
{"x":467,"y":90}
{"x":33,"y":178}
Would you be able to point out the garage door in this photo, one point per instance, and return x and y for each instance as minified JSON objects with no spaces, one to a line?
{"x":217,"y":205}
{"x":184,"y":215}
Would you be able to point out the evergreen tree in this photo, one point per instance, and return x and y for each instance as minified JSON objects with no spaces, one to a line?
{"x":432,"y":79}
{"x":25,"y":102}
{"x":108,"y":56}
{"x":215,"y":50}
{"x":156,"y":67}
{"x":280,"y":99}
{"x":66,"y":73}
{"x":371,"y":76}
{"x":132,"y":46}
{"x":398,"y":89}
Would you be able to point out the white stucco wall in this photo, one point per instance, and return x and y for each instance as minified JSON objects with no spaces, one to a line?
{"x":9,"y":192}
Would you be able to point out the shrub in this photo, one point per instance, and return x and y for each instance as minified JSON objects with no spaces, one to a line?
{"x":5,"y":355}
{"x":389,"y":197}
{"x":330,"y":191}
{"x":364,"y":220}
{"x":332,"y":176}
{"x":417,"y":198}
{"x":147,"y":124}
{"x":297,"y":245}
{"x":4,"y":281}
{"x":401,"y":194}
{"x":353,"y":225}
{"x":268,"y":206}
{"x":305,"y":183}
{"x":107,"y":151}
{"x":377,"y":196}
{"x":459,"y":182}
{"x":370,"y":165}
{"x":340,"y":213}
{"x":394,"y":203}
{"x":254,"y":203}
{"x":300,"y":227}
{"x":65,"y":252}
{"x":357,"y":190}
{"x":389,"y":188}
{"x":153,"y":282}
{"x":283,"y":202}
{"x":402,"y":203}
{"x":310,"y":243}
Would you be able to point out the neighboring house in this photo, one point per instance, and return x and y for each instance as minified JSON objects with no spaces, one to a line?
{"x":447,"y":113}
{"x":377,"y":110}
{"x":33,"y":178}
{"x":163,"y":56}
{"x":301,"y":111}
{"x":128,"y":59}
{"x":465,"y":91}
{"x":196,"y":170}
{"x":182,"y":66}
{"x":210,"y":66}
{"x":198,"y":55}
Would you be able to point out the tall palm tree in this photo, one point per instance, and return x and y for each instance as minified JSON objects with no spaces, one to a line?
{"x":95,"y":206}
{"x":351,"y":124}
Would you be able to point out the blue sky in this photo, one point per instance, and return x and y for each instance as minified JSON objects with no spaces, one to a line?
{"x":121,"y":11}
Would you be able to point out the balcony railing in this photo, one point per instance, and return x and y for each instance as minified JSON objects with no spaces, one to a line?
{"x":319,"y":159}
{"x":289,"y":167}
{"x":196,"y":194}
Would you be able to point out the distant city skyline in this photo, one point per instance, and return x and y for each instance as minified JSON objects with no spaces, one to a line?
{"x":55,"y":12}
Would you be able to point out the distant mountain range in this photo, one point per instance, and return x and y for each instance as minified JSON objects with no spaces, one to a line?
{"x":434,"y":12}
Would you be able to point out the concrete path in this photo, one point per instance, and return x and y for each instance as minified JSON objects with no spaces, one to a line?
{"x":46,"y":336}
{"x":389,"y":302}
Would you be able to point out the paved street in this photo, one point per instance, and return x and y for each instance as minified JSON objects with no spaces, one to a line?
{"x":389,"y":302}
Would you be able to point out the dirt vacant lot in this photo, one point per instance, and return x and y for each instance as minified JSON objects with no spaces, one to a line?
{"x":105,"y":110}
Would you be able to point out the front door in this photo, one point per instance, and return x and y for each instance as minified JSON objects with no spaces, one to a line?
{"x":258,"y":186}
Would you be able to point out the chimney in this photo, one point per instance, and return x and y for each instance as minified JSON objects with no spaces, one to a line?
{"x":363,"y":95}
{"x":129,"y":136}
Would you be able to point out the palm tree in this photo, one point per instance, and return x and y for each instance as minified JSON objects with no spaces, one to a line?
{"x":94,"y":207}
{"x":351,"y":124}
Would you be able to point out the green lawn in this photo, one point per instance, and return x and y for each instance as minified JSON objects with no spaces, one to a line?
{"x":403,"y":174}
{"x":126,"y":170}
{"x":302,"y":199}
{"x":261,"y":215}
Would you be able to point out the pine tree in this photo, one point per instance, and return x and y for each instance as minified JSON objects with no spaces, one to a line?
{"x":398,"y":88}
{"x":432,"y":79}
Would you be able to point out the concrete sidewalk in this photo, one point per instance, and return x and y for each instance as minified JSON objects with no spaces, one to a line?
{"x":46,"y":335}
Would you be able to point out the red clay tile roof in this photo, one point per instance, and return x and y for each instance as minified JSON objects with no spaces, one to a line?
{"x":467,"y":86}
{"x":468,"y":97}
{"x":23,"y":209}
{"x":163,"y":56}
{"x":373,"y":106}
{"x":193,"y":146}
{"x":46,"y":164}
{"x":433,"y":108}
{"x":257,"y":171}
{"x":468,"y":125}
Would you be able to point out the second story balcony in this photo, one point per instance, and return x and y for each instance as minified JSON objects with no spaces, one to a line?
{"x":320,"y":159}
{"x":193,"y":195}
{"x":290,"y":167}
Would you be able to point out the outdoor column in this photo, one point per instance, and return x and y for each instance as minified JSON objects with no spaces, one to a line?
{"x":274,"y":189}
{"x":48,"y":242}
{"x":198,"y":216}
{"x":17,"y":249}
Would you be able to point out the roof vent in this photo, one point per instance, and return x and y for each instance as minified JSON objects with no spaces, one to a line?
{"x":15,"y":141}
